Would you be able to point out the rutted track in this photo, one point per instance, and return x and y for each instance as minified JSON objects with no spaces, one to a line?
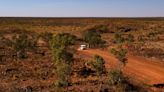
{"x":138,"y":68}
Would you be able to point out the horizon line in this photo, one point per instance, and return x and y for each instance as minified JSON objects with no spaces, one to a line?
{"x":76,"y":17}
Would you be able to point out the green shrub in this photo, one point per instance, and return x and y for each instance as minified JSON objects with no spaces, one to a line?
{"x":93,"y":39}
{"x":63,"y":72}
{"x":59,"y":44}
{"x":62,"y":55}
{"x":119,"y":39}
{"x":153,"y":36}
{"x":99,"y":64}
{"x":120,"y":54}
{"x":130,"y":38}
{"x":114,"y":51}
{"x":115,"y":77}
{"x":22,"y":43}
{"x":62,"y":58}
{"x":62,"y":40}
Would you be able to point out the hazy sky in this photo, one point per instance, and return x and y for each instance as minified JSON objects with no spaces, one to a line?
{"x":82,"y":8}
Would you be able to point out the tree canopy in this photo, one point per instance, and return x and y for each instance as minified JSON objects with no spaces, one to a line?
{"x":93,"y":39}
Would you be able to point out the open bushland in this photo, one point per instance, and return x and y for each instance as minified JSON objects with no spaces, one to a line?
{"x":43,"y":55}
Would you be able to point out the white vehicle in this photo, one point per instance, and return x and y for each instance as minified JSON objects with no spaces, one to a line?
{"x":83,"y":47}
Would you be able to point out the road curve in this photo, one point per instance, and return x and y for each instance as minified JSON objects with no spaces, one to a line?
{"x":138,"y":68}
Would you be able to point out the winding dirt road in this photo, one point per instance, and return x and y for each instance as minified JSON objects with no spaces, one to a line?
{"x":138,"y":68}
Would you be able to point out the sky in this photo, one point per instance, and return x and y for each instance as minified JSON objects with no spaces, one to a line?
{"x":82,"y":8}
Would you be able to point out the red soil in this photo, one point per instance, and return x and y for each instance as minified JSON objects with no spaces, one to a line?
{"x":138,"y":68}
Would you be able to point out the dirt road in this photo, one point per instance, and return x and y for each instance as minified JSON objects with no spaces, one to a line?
{"x":138,"y":68}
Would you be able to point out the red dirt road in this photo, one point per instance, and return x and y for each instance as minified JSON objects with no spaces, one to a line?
{"x":138,"y":68}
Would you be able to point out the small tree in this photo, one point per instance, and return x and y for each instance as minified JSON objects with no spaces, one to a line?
{"x":99,"y":64}
{"x":62,"y":57}
{"x":63,"y":72}
{"x":120,"y":54}
{"x":59,"y":44}
{"x":20,"y":44}
{"x":119,"y":38}
{"x":116,"y":77}
{"x":62,"y":40}
{"x":93,"y":38}
{"x":130,"y":38}
{"x":63,"y":61}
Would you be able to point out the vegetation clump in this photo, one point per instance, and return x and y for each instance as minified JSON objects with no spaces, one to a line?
{"x":59,"y":46}
{"x":62,"y":57}
{"x":130,"y":38}
{"x":93,"y":39}
{"x":116,"y":77}
{"x":153,"y":36}
{"x":100,"y":28}
{"x":63,"y":72}
{"x":22,"y":43}
{"x":63,"y":39}
{"x":118,"y":38}
{"x":99,"y":64}
{"x":120,"y":54}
